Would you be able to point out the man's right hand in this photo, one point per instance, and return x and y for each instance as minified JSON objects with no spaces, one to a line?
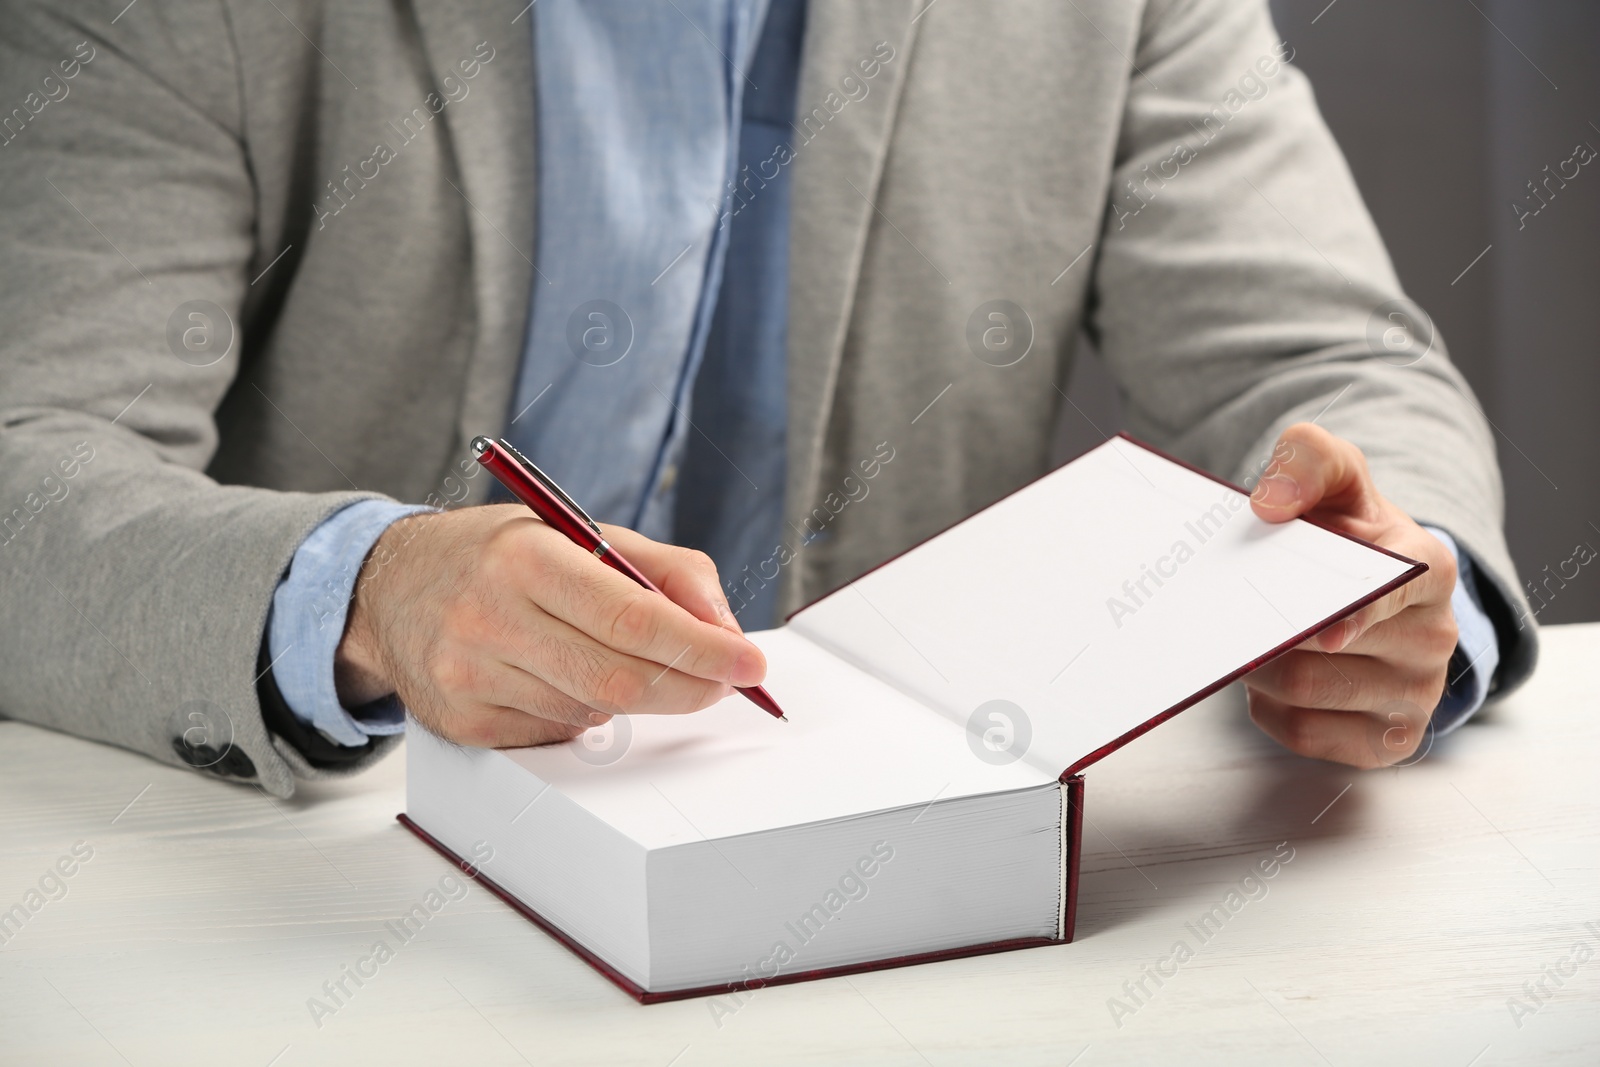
{"x":494,"y":630}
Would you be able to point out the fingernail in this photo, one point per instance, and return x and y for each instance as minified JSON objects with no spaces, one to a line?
{"x":1331,"y":639}
{"x":728,"y":619}
{"x":599,"y":718}
{"x":1277,"y":491}
{"x":749,"y":669}
{"x":1341,"y":634}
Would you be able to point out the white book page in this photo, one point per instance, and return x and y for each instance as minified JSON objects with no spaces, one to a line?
{"x":1091,"y":601}
{"x":853,"y":745}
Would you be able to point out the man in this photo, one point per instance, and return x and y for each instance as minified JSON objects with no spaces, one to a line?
{"x":270,"y":267}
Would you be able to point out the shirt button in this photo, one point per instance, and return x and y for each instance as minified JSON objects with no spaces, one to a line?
{"x":669,"y":478}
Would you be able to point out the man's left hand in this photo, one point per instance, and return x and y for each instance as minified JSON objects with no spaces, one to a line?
{"x":1362,"y":691}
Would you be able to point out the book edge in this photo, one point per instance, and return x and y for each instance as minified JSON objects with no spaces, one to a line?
{"x":644,"y":996}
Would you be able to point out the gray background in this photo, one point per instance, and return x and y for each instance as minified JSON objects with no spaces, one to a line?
{"x":1446,"y":110}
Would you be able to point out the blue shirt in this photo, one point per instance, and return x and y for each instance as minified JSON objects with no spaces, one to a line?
{"x":1477,"y":654}
{"x":731,"y":491}
{"x":653,"y":384}
{"x":639,"y":111}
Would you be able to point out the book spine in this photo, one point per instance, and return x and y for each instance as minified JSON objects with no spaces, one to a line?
{"x":1066,"y":861}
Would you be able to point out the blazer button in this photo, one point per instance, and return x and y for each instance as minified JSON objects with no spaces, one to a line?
{"x":238,"y":764}
{"x":195,"y":755}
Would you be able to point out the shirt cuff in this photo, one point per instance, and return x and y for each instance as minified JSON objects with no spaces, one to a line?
{"x":1477,"y":654}
{"x":306,"y":623}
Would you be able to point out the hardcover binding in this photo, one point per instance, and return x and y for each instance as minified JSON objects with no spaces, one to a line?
{"x":1417,"y":568}
{"x":644,"y":996}
{"x":1074,"y":830}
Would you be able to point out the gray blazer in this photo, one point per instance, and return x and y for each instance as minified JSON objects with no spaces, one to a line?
{"x":197,"y":152}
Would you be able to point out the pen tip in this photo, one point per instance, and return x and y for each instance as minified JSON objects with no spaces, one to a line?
{"x":783,"y":718}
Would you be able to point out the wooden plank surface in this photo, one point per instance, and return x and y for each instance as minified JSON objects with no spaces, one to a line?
{"x":1417,"y":904}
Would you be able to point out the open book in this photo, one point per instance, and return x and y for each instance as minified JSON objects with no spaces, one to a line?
{"x":925,"y":800}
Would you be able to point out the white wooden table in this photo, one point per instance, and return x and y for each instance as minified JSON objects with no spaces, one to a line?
{"x":1418,"y":903}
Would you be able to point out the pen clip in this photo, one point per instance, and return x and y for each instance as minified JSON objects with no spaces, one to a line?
{"x":550,"y":484}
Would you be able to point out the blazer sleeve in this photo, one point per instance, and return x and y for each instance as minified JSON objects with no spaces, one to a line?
{"x":136,"y":587}
{"x":1241,"y":286}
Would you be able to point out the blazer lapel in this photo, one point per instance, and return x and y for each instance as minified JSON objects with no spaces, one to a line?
{"x":838,"y":164}
{"x":493,"y":138}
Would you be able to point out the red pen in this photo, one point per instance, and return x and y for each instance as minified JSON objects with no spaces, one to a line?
{"x":539,"y":491}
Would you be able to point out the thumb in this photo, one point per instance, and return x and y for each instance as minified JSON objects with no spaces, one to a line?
{"x":1314,"y":471}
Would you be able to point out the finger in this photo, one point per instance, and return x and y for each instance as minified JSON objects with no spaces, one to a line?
{"x":1349,"y":737}
{"x":1317,"y":471}
{"x":569,"y":584}
{"x":595,"y":675}
{"x":1417,"y":635}
{"x":488,"y":726}
{"x":507,"y":685}
{"x":1317,"y":680}
{"x":1427,"y":595}
{"x":688,"y":577}
{"x":1342,"y":636}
